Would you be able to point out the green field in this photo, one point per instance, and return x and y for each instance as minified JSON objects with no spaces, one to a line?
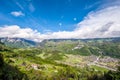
{"x":53,"y":63}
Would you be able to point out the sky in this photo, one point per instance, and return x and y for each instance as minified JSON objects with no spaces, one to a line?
{"x":59,"y":19}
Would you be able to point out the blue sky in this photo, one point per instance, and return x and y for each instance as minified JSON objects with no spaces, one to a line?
{"x":54,"y":15}
{"x":44,"y":19}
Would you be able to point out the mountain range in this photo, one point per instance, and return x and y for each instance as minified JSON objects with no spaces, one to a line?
{"x":17,"y":42}
{"x":24,"y":43}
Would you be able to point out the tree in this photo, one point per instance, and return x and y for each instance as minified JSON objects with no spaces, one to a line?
{"x":1,"y":60}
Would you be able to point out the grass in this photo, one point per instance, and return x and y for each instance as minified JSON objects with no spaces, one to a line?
{"x":41,"y":55}
{"x":99,"y":68}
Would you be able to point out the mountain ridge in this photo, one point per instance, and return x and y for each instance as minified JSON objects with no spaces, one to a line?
{"x":17,"y":42}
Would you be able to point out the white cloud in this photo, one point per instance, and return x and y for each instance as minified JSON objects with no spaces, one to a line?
{"x":74,"y":19}
{"x":17,"y":13}
{"x":60,"y":24}
{"x":16,"y":31}
{"x":91,"y":6}
{"x":103,"y":23}
{"x":31,"y":7}
{"x":19,"y":5}
{"x":100,"y":24}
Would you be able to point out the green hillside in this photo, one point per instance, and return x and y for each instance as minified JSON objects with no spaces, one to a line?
{"x":107,"y":47}
{"x":51,"y":63}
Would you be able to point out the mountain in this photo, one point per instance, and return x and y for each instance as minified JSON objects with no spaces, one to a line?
{"x":17,"y":42}
{"x":60,"y":59}
{"x":112,"y":39}
{"x":86,"y":47}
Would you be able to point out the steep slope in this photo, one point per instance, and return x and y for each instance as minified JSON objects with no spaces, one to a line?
{"x":17,"y":42}
{"x":105,"y":46}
